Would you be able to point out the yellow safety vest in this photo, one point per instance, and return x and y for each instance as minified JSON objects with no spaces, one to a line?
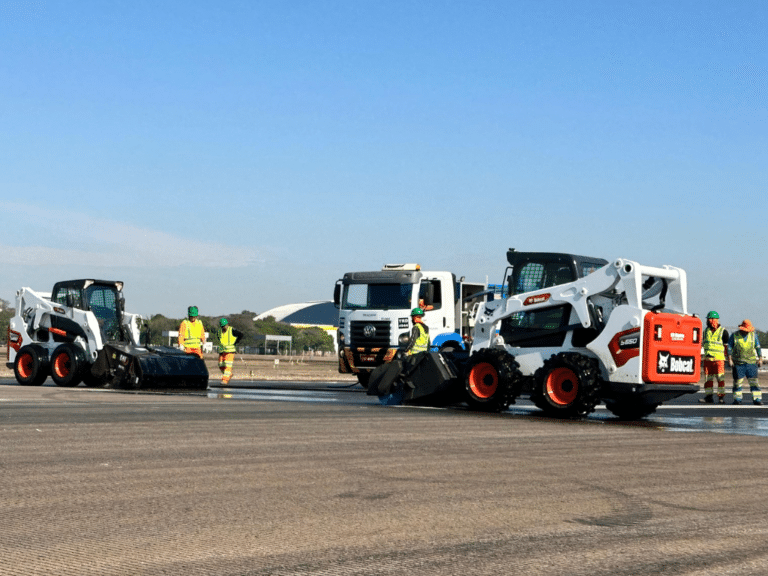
{"x":714,"y":348}
{"x":192,"y":334}
{"x":422,"y":342}
{"x":744,"y":348}
{"x":227,"y":341}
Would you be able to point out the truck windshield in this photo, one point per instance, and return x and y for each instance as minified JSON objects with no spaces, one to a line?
{"x":377,"y":297}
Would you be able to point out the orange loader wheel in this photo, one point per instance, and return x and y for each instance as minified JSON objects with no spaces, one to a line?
{"x":31,"y":365}
{"x":483,"y":380}
{"x":562,"y":386}
{"x":67,"y":365}
{"x":492,"y":380}
{"x":567,"y":385}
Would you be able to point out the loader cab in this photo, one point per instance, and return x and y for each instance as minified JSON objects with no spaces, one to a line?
{"x":545,"y":327}
{"x":101,"y":297}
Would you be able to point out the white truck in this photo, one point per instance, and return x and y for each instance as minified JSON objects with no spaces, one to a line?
{"x":375,"y":307}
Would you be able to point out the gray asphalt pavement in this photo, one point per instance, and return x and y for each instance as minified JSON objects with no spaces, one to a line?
{"x":104,"y":482}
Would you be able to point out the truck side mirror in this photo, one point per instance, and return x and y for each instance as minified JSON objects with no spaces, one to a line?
{"x":337,"y":295}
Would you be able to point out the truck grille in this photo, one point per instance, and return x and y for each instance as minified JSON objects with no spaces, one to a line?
{"x":365,"y":334}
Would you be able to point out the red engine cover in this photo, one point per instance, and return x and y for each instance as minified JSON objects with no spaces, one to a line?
{"x":671,"y":349}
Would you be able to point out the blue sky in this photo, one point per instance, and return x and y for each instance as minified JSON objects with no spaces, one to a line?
{"x":243,"y":155}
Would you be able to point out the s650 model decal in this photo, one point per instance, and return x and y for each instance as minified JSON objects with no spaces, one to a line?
{"x":625,"y":346}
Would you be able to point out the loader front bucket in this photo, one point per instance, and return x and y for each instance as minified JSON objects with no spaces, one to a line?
{"x":154,"y":367}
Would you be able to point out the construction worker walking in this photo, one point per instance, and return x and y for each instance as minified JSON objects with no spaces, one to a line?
{"x":192,"y":333}
{"x":745,"y":358}
{"x":715,"y":344}
{"x":228,"y":338}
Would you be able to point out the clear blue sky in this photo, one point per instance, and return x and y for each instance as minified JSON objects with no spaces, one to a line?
{"x":245,"y":154}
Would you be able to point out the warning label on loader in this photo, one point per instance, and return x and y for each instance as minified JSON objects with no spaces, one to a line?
{"x":668,"y":363}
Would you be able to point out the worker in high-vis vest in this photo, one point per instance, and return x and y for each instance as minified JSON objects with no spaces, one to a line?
{"x":419,"y":340}
{"x":228,"y":337}
{"x":715,"y":350}
{"x":192,"y":333}
{"x":745,"y":357}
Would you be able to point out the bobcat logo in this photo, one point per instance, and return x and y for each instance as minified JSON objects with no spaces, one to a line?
{"x":663,"y":362}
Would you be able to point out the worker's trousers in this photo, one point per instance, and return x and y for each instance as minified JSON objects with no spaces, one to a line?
{"x":748,"y":372}
{"x":226,"y":361}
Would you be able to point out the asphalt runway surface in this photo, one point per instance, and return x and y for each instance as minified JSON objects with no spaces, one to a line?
{"x":308,"y":479}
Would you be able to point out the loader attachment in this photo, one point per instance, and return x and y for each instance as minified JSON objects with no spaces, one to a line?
{"x":426,"y":378}
{"x":127,"y":366}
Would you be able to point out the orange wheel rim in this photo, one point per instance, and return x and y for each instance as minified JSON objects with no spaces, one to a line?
{"x":61,"y":365}
{"x":25,"y":366}
{"x":562,"y":386}
{"x":483,"y":380}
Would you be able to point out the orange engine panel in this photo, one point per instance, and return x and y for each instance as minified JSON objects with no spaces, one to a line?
{"x":671,"y":348}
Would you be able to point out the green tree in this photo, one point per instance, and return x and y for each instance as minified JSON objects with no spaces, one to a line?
{"x":6,"y":313}
{"x":313,"y":338}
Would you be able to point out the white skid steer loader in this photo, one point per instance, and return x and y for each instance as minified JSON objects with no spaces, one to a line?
{"x":571,"y":332}
{"x":80,"y":332}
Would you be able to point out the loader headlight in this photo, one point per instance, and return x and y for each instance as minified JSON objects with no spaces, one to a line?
{"x":402,"y":340}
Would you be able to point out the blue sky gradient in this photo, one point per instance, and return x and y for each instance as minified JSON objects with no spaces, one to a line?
{"x":243,"y":155}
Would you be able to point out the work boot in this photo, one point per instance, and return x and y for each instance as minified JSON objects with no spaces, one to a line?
{"x":706,"y":400}
{"x":721,"y":399}
{"x":757,"y":402}
{"x":737,"y":402}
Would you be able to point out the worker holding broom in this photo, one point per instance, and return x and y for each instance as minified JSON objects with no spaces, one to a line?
{"x":192,"y":333}
{"x":228,"y":337}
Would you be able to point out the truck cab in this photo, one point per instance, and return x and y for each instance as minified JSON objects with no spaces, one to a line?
{"x":375,"y":308}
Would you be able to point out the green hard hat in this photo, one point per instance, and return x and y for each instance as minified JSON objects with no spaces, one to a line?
{"x":192,"y":311}
{"x":713,"y":314}
{"x":417,"y":312}
{"x":223,"y":322}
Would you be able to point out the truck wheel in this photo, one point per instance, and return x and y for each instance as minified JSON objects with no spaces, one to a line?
{"x":627,"y":410}
{"x":567,"y":386}
{"x":31,"y":365}
{"x":67,"y":365}
{"x":492,"y":380}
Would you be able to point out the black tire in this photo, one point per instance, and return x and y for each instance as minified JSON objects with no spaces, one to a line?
{"x":67,"y":365}
{"x":567,"y":386}
{"x":31,"y":365}
{"x":492,"y":380}
{"x":628,"y":410}
{"x":363,"y":377}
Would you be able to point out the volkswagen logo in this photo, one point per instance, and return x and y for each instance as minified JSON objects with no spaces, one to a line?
{"x":369,"y":331}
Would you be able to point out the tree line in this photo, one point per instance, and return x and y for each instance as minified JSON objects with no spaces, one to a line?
{"x":254,"y":331}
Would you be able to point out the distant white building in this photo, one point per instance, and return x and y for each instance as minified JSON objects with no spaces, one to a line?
{"x":317,"y":314}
